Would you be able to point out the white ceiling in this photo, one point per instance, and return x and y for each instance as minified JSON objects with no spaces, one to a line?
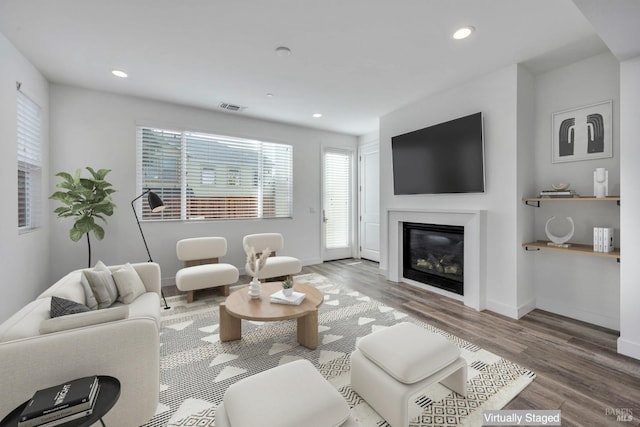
{"x":352,"y":60}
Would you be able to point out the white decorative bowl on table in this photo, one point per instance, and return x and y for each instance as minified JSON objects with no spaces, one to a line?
{"x":561,"y":186}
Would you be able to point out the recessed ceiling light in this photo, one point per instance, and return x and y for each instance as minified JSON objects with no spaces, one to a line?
{"x":463,"y":33}
{"x":317,"y":115}
{"x":283,"y":51}
{"x":119,"y":73}
{"x":269,"y":95}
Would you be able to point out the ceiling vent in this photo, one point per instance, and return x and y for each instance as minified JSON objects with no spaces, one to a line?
{"x":231,"y":107}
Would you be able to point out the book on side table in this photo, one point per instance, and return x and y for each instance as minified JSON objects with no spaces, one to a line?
{"x":62,"y":403}
{"x":279,"y":297}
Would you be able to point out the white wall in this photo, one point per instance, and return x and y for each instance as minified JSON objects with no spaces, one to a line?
{"x":495,"y":95}
{"x":24,"y":258}
{"x":525,"y":186}
{"x":96,"y":129}
{"x":629,"y":341}
{"x":581,"y":287}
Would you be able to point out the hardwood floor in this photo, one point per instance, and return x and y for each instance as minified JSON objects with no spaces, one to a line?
{"x":577,"y":367}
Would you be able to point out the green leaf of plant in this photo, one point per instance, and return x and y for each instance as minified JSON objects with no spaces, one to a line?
{"x":98,"y":231}
{"x":75,"y":234}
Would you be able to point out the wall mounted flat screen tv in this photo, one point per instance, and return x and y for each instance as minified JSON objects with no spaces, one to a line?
{"x":440,"y":159}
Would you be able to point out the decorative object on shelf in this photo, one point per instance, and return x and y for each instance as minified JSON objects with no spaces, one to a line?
{"x":254,"y":264}
{"x":600,"y":183}
{"x":583,"y":133}
{"x":603,"y":239}
{"x":559,"y":241}
{"x":562,"y":186}
{"x":156,"y":205}
{"x":287,"y":287}
{"x":559,"y":193}
{"x":85,"y":199}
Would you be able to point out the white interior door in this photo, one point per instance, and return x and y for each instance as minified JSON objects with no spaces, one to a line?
{"x":336,"y":204}
{"x":369,"y":198}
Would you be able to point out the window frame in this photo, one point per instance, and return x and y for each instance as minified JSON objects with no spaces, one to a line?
{"x":29,"y":162}
{"x":227,"y":177}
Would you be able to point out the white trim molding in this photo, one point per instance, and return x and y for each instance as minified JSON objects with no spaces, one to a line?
{"x":471,"y":220}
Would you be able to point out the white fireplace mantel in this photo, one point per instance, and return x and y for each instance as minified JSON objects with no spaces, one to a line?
{"x":473,"y":222}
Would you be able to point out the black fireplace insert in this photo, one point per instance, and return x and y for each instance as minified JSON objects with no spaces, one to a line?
{"x":434,"y":254}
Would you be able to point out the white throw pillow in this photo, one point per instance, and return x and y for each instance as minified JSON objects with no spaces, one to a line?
{"x":102,"y":284}
{"x":129,"y":284}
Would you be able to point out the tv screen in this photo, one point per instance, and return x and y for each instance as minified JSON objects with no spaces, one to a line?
{"x":440,"y":159}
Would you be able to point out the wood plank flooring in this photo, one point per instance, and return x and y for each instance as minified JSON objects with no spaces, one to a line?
{"x":578,"y":369}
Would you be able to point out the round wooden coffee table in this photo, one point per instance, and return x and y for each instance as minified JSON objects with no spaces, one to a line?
{"x":239,"y":305}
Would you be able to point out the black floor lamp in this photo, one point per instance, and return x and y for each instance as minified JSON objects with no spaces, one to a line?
{"x":156,"y":205}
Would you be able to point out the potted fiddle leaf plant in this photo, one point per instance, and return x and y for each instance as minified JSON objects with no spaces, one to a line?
{"x":85,"y":200}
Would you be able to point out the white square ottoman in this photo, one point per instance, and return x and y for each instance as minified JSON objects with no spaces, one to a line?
{"x":290,"y":395}
{"x":394,"y":364}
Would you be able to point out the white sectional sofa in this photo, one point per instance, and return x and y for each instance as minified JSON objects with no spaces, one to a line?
{"x":121,"y":341}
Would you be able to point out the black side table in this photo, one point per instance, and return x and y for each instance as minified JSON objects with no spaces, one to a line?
{"x":107,"y":397}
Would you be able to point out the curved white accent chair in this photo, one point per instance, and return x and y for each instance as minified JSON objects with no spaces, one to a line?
{"x":201,"y":267}
{"x":276,"y":266}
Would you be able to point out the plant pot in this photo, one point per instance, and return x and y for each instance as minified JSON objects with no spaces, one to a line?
{"x":287,"y":292}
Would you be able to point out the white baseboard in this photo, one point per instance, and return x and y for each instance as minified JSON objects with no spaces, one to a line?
{"x":524,"y":309}
{"x":629,"y":348}
{"x":504,"y":309}
{"x":578,"y":314}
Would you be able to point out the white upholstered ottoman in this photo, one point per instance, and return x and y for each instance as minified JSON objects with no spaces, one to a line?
{"x":291,"y":395}
{"x":392,"y":365}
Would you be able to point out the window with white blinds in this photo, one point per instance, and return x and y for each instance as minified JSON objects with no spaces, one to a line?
{"x":337,"y":167}
{"x":204,"y":176}
{"x":29,"y":163}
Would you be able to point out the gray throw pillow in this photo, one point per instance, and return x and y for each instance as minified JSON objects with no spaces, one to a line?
{"x":103,"y":287}
{"x":89,"y":298}
{"x":62,"y":307}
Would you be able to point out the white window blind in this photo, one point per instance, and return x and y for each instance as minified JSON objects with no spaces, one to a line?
{"x":204,"y":176}
{"x":29,"y":163}
{"x":337,"y":167}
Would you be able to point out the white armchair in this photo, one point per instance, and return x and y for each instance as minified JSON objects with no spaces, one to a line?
{"x":201,"y":267}
{"x":276,"y":266}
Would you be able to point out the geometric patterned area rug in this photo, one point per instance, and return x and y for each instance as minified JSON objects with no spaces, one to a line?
{"x":196,"y":368}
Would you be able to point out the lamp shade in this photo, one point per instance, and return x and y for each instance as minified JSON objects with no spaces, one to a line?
{"x":155,"y":202}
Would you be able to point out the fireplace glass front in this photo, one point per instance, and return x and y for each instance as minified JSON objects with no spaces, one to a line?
{"x":434,"y":254}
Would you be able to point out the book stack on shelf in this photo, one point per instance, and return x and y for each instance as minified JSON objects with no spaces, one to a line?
{"x":295,"y":298}
{"x":60,"y":404}
{"x":603,"y":239}
{"x":558,"y":193}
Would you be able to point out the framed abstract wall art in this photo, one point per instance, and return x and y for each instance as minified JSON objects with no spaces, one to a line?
{"x":583,"y":133}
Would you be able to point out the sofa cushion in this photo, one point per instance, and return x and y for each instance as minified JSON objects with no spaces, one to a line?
{"x":63,"y":307}
{"x":129,"y":284}
{"x":102,"y":284}
{"x":26,"y":322}
{"x":146,"y":305}
{"x":80,"y":320}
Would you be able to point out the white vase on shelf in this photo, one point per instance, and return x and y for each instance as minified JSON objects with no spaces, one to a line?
{"x":600,"y":183}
